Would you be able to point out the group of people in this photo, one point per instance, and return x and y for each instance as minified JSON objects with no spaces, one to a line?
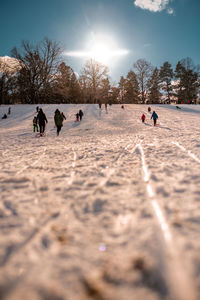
{"x":59,"y":117}
{"x":40,"y":120}
{"x":154,"y":116}
{"x":79,"y":116}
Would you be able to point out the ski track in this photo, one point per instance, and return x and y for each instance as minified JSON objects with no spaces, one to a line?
{"x":178,"y":280}
{"x":109,"y":208}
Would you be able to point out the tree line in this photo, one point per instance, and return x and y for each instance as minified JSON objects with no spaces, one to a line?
{"x":41,"y":76}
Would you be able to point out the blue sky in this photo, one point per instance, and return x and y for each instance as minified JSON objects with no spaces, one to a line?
{"x":157,"y":30}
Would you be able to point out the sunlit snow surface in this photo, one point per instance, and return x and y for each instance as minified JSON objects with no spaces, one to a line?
{"x":109,"y":210}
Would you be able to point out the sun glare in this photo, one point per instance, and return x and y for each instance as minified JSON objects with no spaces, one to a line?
{"x":102,"y":48}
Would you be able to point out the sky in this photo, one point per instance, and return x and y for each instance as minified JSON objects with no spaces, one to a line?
{"x":115,"y":32}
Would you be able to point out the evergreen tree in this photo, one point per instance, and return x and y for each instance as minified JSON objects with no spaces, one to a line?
{"x":166,"y":76}
{"x":132,"y":88}
{"x":121,"y":87}
{"x":74,"y":90}
{"x":62,"y":83}
{"x":187,"y":81}
{"x":105,"y":87}
{"x":154,"y":88}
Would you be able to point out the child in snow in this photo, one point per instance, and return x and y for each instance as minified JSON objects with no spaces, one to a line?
{"x":122,"y":106}
{"x":77,"y":117}
{"x":9,"y":110}
{"x":154,"y":117}
{"x":80,"y":114}
{"x":35,"y":125}
{"x":143,"y":117}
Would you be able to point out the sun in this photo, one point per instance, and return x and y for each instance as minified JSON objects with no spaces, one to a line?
{"x":103,"y":48}
{"x":100,"y":47}
{"x":100,"y":52}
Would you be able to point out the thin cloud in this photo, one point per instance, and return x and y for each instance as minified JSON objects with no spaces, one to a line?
{"x":152,"y":5}
{"x":170,"y":11}
{"x":111,"y":53}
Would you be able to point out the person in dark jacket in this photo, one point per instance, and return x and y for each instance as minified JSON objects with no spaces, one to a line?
{"x":80,"y":114}
{"x":58,"y":119}
{"x":154,"y":117}
{"x":4,"y":116}
{"x":42,"y":121}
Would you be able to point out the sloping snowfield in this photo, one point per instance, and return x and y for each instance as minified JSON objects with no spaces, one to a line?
{"x":109,"y":210}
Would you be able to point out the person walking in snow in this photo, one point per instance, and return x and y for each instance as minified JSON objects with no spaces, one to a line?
{"x":9,"y":110}
{"x":77,"y":117}
{"x":58,"y":119}
{"x":35,"y":124}
{"x":154,"y":117}
{"x":149,"y":109}
{"x":143,"y":117}
{"x":42,"y":120}
{"x":80,"y":114}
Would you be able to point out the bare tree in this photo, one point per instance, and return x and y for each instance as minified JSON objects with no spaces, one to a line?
{"x":143,"y":70}
{"x":38,"y":67}
{"x":92,"y":74}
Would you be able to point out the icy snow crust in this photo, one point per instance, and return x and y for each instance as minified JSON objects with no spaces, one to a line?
{"x":109,"y":210}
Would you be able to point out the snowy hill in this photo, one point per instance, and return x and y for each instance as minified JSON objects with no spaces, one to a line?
{"x":9,"y":64}
{"x":110,"y":209}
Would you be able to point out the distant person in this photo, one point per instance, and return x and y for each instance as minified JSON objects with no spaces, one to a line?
{"x":9,"y":110}
{"x":154,"y":117}
{"x":122,"y":106}
{"x":35,"y":124}
{"x":37,"y":109}
{"x":143,"y":117}
{"x":106,"y":106}
{"x":77,"y":117}
{"x":80,"y":114}
{"x":149,"y":109}
{"x":99,"y":105}
{"x":4,"y":116}
{"x":42,"y":120}
{"x":58,"y":119}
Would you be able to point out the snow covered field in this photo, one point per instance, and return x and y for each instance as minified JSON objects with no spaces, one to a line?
{"x":109,"y":210}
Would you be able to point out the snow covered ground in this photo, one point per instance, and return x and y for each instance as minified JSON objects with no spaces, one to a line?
{"x":109,"y":210}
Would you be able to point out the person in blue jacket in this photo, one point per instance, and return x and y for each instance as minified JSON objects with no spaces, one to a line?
{"x":154,"y":117}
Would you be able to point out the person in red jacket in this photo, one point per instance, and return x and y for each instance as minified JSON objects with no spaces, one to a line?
{"x":143,"y":117}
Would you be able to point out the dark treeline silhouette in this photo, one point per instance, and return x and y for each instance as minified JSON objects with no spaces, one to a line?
{"x":39,"y":75}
